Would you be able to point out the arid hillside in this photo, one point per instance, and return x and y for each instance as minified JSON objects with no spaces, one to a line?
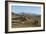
{"x":25,"y":20}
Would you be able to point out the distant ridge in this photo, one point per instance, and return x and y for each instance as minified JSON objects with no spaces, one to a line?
{"x":24,"y":14}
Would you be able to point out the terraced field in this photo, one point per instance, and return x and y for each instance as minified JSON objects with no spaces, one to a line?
{"x":25,"y":20}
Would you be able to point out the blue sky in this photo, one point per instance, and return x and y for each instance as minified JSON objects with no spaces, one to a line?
{"x":26,"y":9}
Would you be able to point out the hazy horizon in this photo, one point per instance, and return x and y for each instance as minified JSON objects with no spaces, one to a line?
{"x":26,"y":9}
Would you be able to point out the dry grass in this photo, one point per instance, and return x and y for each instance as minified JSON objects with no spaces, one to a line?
{"x":25,"y":20}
